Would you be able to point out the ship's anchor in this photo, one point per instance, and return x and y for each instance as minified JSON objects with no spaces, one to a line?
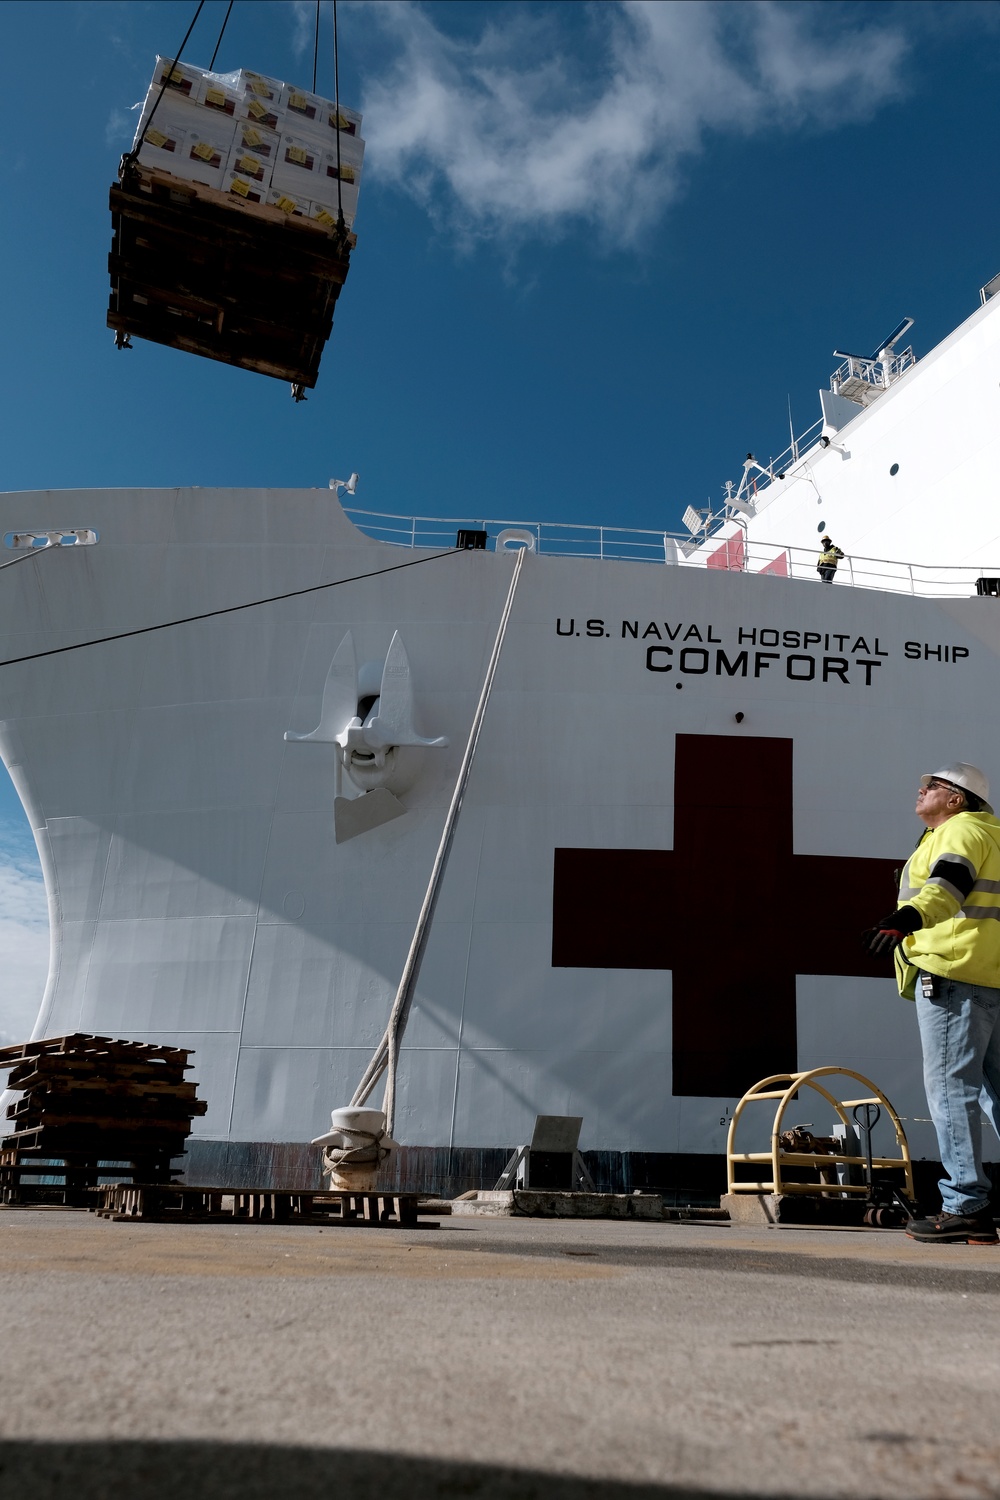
{"x":369,"y":717}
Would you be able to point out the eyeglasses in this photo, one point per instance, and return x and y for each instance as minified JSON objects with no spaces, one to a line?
{"x":940,"y":786}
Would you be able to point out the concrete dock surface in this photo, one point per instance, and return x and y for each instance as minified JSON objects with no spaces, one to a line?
{"x":498,"y":1359}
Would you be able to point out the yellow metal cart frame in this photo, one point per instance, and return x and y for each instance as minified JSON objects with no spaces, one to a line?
{"x":783,"y":1087}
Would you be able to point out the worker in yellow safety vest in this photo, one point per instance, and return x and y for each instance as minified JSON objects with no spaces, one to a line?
{"x":828,"y":559}
{"x":945,"y":938}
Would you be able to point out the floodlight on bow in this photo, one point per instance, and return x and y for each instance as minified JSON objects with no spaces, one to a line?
{"x":347,"y":485}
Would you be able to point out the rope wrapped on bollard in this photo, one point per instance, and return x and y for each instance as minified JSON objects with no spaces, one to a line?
{"x":355,"y":1147}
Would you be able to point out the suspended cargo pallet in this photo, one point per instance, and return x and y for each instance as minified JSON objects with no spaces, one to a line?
{"x":204,"y":271}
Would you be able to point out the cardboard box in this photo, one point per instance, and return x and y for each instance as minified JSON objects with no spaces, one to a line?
{"x":248,"y":164}
{"x":241,"y":186}
{"x":162,"y":149}
{"x":271,"y":91}
{"x":205,"y":157}
{"x":305,"y":112}
{"x":219,"y":97}
{"x":350,"y":120}
{"x":262,"y":142}
{"x":260,"y":113}
{"x":323,"y":213}
{"x":348,"y":201}
{"x":298,"y":165}
{"x":345,"y":170}
{"x":352,"y":154}
{"x":331,"y":192}
{"x":313,"y":117}
{"x":184,"y":79}
{"x":289,"y":203}
{"x":175,"y":114}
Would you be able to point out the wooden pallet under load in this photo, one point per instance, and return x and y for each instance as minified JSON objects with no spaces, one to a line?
{"x":207,"y":273}
{"x":93,"y":1107}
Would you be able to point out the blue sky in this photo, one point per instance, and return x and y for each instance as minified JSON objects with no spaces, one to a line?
{"x":599,"y":248}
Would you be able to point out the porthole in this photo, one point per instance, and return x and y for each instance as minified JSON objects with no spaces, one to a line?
{"x":894,"y":469}
{"x":821,"y":526}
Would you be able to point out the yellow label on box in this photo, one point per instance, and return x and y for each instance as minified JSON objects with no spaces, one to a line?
{"x":247,"y":164}
{"x":238,"y":186}
{"x":216,"y":96}
{"x":346,"y":173}
{"x":257,"y":109}
{"x":156,"y":138}
{"x":176,"y":76}
{"x":287,"y":205}
{"x":297,"y":100}
{"x":204,"y":150}
{"x":252,"y":137}
{"x":297,"y":154}
{"x":322,"y":217}
{"x":257,"y":84}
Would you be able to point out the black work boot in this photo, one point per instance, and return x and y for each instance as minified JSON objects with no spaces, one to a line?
{"x":974,"y":1229}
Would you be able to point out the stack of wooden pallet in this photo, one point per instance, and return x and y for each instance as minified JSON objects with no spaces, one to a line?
{"x":93,"y":1107}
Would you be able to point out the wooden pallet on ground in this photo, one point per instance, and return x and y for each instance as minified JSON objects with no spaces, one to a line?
{"x":68,"y":1178}
{"x":206,"y":272}
{"x":91,"y":1101}
{"x":179,"y":1202}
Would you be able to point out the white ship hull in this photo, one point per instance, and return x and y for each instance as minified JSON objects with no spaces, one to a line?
{"x":198,"y":895}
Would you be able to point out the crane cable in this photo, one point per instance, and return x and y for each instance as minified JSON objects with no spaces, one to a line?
{"x":225,"y":23}
{"x":341,"y":227}
{"x":129,"y":158}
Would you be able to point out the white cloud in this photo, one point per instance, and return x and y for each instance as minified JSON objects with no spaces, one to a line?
{"x":120,"y":128}
{"x":24,"y":941}
{"x":303,"y":25}
{"x":588,"y":114}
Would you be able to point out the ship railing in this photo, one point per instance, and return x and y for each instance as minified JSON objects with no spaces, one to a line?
{"x":556,"y":538}
{"x":923,"y":580}
{"x":879,"y":374}
{"x":754,"y":481}
{"x":730,"y":554}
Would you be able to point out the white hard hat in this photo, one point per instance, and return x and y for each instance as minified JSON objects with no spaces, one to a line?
{"x":961,"y":774}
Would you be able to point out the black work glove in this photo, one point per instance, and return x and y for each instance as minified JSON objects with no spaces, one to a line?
{"x":890,"y":932}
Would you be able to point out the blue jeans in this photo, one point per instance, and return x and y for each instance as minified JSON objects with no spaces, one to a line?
{"x":960,"y":1038}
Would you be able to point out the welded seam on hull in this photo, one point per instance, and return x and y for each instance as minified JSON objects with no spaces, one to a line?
{"x":465,"y":983}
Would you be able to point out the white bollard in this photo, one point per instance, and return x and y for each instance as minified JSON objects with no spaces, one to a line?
{"x":355,"y":1147}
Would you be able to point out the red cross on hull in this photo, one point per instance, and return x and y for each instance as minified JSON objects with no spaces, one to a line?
{"x":731,"y":910}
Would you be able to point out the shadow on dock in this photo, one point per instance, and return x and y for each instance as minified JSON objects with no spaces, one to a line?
{"x":182,"y":1470}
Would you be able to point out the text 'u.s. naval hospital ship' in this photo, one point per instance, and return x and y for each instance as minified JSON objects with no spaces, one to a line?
{"x":692,"y":789}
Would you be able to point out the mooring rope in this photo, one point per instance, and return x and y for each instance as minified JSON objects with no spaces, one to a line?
{"x":386,"y":1054}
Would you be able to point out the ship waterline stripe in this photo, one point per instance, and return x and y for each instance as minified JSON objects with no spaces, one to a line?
{"x":229,"y":609}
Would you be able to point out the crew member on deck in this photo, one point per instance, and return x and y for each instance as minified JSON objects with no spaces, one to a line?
{"x":828,"y":559}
